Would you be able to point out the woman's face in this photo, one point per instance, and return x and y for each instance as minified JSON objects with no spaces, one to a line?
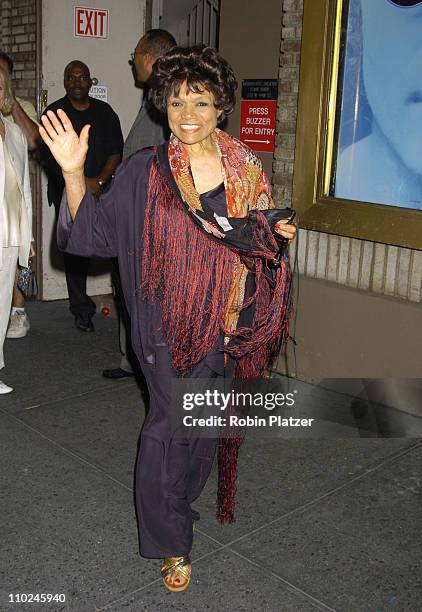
{"x":192,"y":116}
{"x":392,"y":60}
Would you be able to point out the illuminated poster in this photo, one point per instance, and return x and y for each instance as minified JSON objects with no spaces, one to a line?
{"x":378,"y":152}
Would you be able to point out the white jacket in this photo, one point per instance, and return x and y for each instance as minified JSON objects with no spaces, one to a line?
{"x":18,"y":151}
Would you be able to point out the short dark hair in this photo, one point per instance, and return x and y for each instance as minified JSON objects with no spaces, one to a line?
{"x":202,"y":68}
{"x":7,"y":59}
{"x":158,"y":42}
{"x":75,"y":63}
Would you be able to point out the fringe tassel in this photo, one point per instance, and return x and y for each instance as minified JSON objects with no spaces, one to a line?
{"x":270,"y":326}
{"x":228,"y":450}
{"x":189,"y":274}
{"x":259,"y":344}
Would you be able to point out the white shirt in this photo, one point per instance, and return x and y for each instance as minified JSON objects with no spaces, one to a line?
{"x":12,"y":204}
{"x":17,"y":147}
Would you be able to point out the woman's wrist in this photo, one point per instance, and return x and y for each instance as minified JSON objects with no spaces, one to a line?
{"x":74,"y":176}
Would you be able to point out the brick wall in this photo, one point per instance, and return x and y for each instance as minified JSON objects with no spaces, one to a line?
{"x":18,"y":28}
{"x":362,"y":264}
{"x":291,"y":36}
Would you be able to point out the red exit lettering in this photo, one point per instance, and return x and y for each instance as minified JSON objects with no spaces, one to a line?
{"x":91,"y":22}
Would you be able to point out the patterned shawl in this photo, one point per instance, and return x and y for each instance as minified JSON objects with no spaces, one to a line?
{"x":200,"y":278}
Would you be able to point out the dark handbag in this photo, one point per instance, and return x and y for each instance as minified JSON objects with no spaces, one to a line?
{"x":273,"y":215}
{"x":27,"y":283}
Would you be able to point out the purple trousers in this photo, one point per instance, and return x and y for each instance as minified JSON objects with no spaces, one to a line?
{"x":171,"y":471}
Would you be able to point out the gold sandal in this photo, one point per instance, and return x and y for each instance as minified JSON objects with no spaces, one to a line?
{"x":177,"y":566}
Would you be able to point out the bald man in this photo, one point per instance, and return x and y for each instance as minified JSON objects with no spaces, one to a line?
{"x":104,"y":155}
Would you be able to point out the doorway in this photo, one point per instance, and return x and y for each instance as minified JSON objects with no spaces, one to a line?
{"x":190,"y":21}
{"x":108,"y":60}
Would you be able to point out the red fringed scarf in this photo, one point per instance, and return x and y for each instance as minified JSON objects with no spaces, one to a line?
{"x":190,"y":275}
{"x":200,"y":282}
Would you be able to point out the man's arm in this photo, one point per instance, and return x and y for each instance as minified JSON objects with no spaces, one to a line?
{"x":114,"y":149}
{"x":28,"y":124}
{"x":106,"y":173}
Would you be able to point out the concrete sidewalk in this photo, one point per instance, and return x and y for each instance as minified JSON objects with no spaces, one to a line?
{"x":322,"y":524}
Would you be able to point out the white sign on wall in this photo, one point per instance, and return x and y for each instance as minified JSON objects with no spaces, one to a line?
{"x":99,"y":92}
{"x":91,"y":22}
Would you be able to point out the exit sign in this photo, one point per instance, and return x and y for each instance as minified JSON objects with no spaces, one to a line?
{"x":91,"y":22}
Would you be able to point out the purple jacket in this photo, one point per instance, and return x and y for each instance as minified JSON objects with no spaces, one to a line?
{"x":112,"y":226}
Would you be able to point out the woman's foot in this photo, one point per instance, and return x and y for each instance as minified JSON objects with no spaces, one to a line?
{"x":176,"y":573}
{"x":5,"y":388}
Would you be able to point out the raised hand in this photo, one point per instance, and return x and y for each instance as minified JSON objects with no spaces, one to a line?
{"x":68,"y":149}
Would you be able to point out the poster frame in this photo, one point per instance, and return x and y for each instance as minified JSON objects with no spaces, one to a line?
{"x":367,"y":221}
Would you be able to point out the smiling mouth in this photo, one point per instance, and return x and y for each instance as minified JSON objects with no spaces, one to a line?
{"x":189,"y":127}
{"x":414,"y":98}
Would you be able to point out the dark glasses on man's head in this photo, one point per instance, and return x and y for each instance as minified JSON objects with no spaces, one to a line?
{"x":406,"y":2}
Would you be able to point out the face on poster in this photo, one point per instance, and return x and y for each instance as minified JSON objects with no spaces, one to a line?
{"x":379,"y":154}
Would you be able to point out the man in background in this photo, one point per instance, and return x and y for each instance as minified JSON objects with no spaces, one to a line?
{"x":149,"y":128}
{"x":104,"y":155}
{"x":25,"y":116}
